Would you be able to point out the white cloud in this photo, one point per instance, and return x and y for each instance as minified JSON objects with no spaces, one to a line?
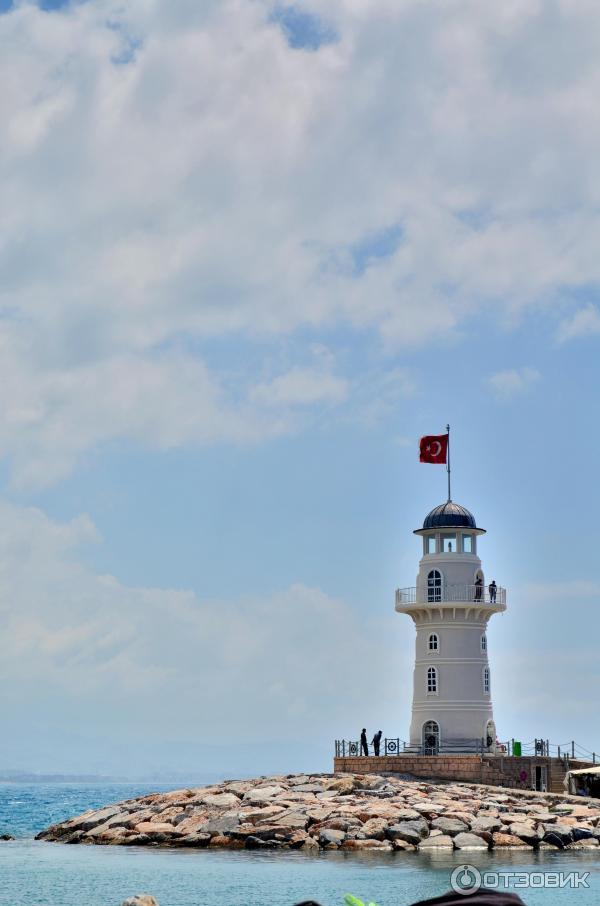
{"x":584,"y":322}
{"x":378,"y":393}
{"x":80,"y":650}
{"x":578,"y":588}
{"x":548,"y":634}
{"x":510,"y":383}
{"x":216,"y":184}
{"x":53,"y":413}
{"x":302,"y":387}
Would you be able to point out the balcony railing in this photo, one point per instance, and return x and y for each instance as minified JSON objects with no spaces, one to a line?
{"x":351,"y":748}
{"x":459,"y":594}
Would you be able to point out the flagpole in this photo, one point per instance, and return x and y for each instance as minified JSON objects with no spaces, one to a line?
{"x":448,"y":463}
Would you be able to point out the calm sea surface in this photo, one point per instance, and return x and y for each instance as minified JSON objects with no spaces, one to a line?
{"x":50,"y":874}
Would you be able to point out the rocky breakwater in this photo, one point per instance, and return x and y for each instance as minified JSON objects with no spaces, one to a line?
{"x":348,"y":812}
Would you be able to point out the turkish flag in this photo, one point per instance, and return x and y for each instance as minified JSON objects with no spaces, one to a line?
{"x":433,"y":448}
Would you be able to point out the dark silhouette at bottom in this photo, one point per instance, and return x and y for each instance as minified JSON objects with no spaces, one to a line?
{"x":481,"y":898}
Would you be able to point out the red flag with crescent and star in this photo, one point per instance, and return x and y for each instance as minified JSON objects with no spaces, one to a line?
{"x":433,"y":448}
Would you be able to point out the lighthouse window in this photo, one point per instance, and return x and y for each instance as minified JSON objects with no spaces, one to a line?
{"x":434,"y":585}
{"x":431,"y":544}
{"x":467,"y":544}
{"x":432,"y":681}
{"x":486,"y":680}
{"x":449,"y":543}
{"x":434,"y":643}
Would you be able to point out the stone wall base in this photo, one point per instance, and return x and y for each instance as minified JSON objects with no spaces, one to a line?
{"x":497,"y":770}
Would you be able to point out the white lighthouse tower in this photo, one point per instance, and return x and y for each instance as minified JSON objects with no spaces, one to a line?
{"x":450,"y":606}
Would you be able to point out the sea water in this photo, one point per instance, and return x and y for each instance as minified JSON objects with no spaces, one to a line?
{"x":51,"y":874}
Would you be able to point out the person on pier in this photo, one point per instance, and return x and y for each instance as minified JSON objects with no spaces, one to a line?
{"x":364,"y":747}
{"x":376,"y":742}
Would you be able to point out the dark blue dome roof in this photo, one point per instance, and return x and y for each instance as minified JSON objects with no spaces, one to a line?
{"x":448,"y":515}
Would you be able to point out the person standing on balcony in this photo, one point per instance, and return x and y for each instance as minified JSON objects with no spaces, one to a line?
{"x":376,"y":742}
{"x":364,"y":748}
{"x":492,"y":588}
{"x":478,"y":588}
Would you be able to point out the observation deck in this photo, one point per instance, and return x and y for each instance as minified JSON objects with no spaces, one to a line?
{"x":409,"y":600}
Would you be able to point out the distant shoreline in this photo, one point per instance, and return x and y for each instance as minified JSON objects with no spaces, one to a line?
{"x":101,"y":779}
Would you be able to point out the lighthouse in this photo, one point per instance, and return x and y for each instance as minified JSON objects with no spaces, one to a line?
{"x":450,"y":606}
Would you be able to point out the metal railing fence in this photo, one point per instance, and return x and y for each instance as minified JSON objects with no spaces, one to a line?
{"x":459,"y":594}
{"x":570,"y":751}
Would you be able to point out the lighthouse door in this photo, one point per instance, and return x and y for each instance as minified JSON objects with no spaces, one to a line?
{"x":431,"y":738}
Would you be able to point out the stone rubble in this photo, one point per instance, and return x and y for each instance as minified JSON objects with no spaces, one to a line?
{"x":341,"y":811}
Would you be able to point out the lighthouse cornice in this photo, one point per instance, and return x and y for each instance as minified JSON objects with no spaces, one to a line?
{"x":448,"y":528}
{"x":452,"y":615}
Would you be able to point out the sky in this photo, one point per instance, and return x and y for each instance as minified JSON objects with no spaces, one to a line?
{"x":249,"y":253}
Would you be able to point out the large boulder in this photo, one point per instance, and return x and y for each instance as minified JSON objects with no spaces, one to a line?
{"x":592,"y":843}
{"x":441,"y":841}
{"x":508,"y":841}
{"x":488,"y":825}
{"x":290,"y":819}
{"x":403,"y":846}
{"x":225,"y":841}
{"x":563,"y":808}
{"x":456,"y":815}
{"x":526,"y":832}
{"x":215,"y":825}
{"x":407,"y":814}
{"x":156,"y":827}
{"x":582,"y":833}
{"x":309,"y":788}
{"x":328,"y":837}
{"x":469,"y":841}
{"x":378,"y":845}
{"x":195,"y":840}
{"x":221,"y":800}
{"x":333,"y":824}
{"x":263,"y":793}
{"x":374,"y":829}
{"x":260,"y":843}
{"x":561,"y":832}
{"x":409,"y":831}
{"x":451,"y":826}
{"x":190,"y":825}
{"x":341,"y":786}
{"x":100,"y":817}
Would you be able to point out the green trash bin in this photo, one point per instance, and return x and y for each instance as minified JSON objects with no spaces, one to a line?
{"x":516,"y":748}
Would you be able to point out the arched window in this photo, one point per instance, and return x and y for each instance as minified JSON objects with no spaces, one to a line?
{"x":486,"y":680}
{"x":434,"y":642}
{"x":432,"y":681}
{"x":431,"y":737}
{"x":484,"y":642}
{"x":434,"y":585}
